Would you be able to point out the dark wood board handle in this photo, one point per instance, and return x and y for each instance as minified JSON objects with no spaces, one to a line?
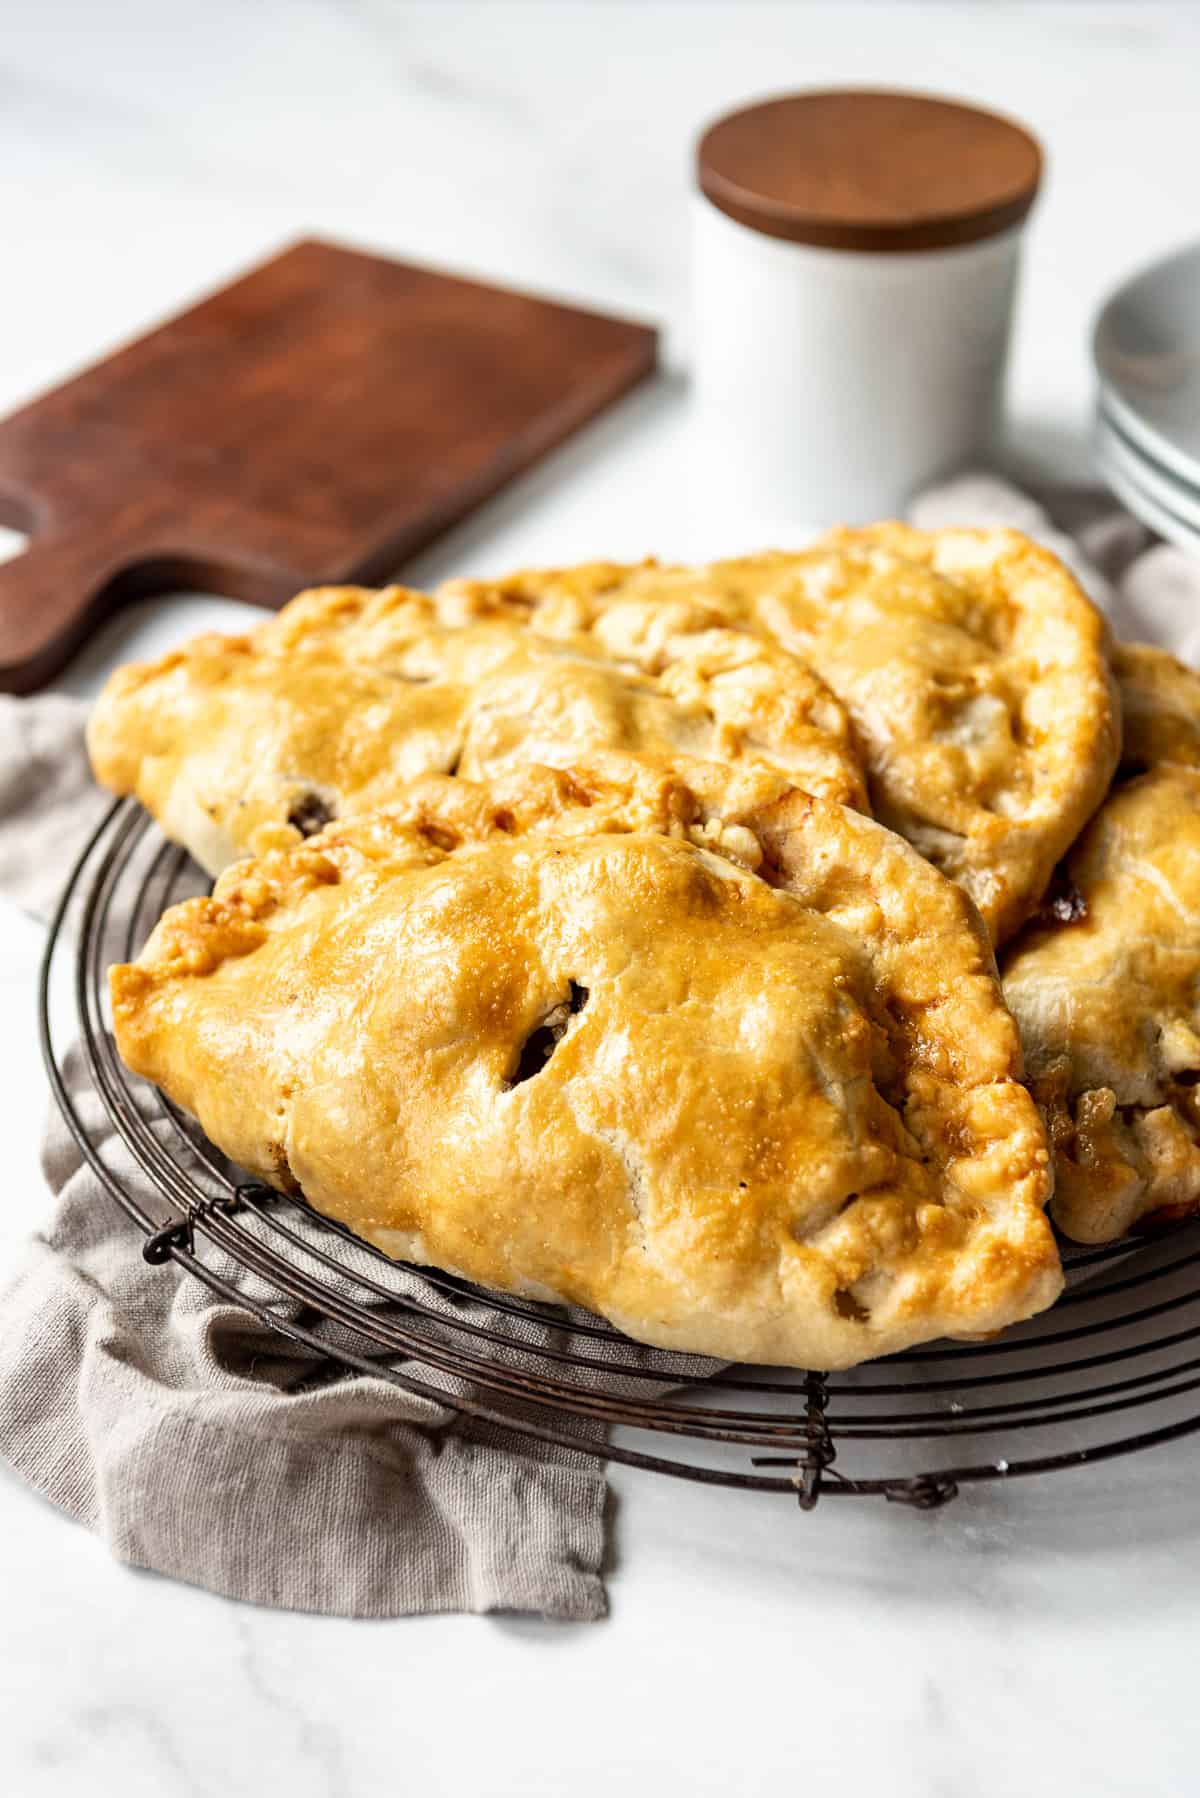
{"x":320,"y":419}
{"x":67,"y":582}
{"x":53,"y":595}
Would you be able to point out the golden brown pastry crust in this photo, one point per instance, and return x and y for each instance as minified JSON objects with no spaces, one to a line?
{"x":539,"y":1033}
{"x":240,"y":744}
{"x":1160,"y":704}
{"x":973,"y":667}
{"x":1107,"y":993}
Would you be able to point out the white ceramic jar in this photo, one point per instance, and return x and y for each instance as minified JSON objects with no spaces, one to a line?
{"x":855,"y":260}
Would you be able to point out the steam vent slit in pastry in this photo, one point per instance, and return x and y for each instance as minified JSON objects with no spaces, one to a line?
{"x":243,"y":744}
{"x":972,"y":665}
{"x":725,"y":1063}
{"x":1105,"y":983}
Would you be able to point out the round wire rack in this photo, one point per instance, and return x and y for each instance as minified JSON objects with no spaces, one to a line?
{"x":1113,"y":1368}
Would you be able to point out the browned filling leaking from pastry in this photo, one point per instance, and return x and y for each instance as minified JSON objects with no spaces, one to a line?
{"x":1062,"y":902}
{"x":310,"y":812}
{"x":541,"y":1043}
{"x":1113,"y":1159}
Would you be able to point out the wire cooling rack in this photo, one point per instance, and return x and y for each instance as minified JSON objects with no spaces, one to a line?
{"x":1113,"y":1368}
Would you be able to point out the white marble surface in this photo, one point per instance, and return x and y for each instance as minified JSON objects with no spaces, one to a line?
{"x":1032,"y":1639}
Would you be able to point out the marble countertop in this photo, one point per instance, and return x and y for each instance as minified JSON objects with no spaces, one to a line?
{"x":1032,"y":1638}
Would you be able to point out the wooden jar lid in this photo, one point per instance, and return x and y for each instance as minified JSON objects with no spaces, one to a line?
{"x":869,"y":170}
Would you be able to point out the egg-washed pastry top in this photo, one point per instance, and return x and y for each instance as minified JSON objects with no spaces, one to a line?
{"x":972,"y":665}
{"x":1160,"y":704}
{"x":238,"y":744}
{"x":1105,"y":984}
{"x":541,"y":1034}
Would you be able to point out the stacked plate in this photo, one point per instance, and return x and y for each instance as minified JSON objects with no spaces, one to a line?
{"x":1147,"y":432}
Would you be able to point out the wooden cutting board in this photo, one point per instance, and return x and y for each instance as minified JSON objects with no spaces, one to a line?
{"x":317,"y":421}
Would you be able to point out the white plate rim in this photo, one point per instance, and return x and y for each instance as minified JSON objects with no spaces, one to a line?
{"x":1146,"y":507}
{"x":1159,"y":449}
{"x":1121,"y":408}
{"x":1117,"y":452}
